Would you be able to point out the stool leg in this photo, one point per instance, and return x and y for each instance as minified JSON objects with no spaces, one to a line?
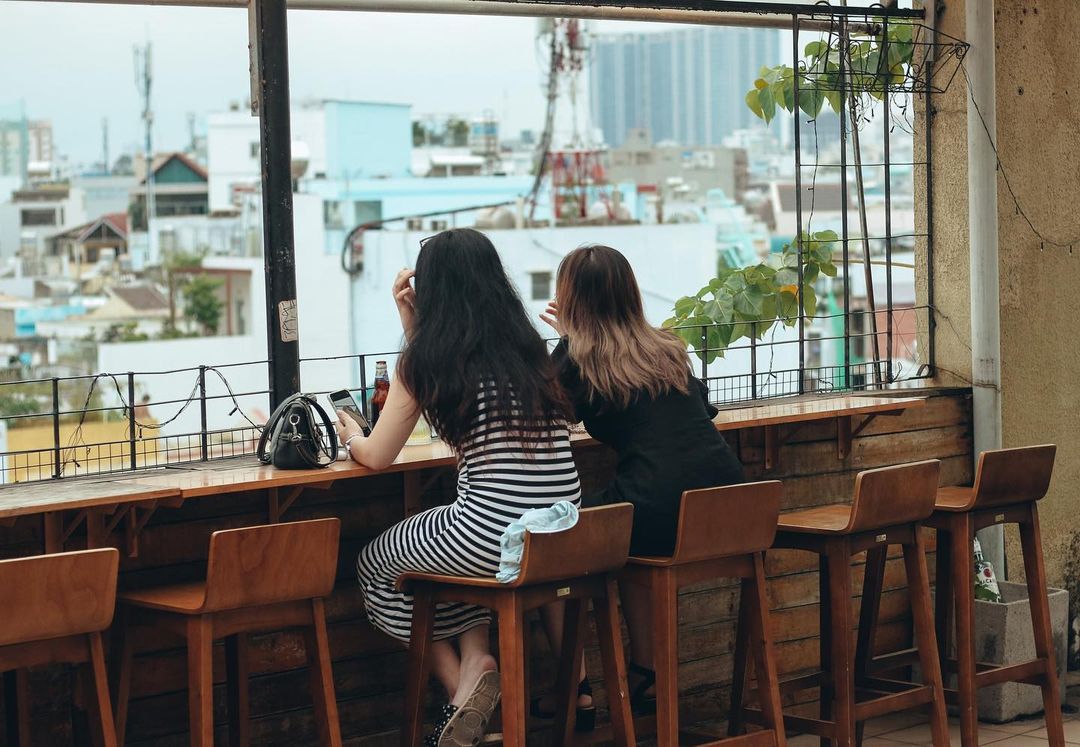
{"x":611,"y":652}
{"x":843,"y":657}
{"x":566,"y":682}
{"x":416,"y":681}
{"x":827,"y":693}
{"x":122,"y":654}
{"x":736,"y":722}
{"x":943,"y":599}
{"x":322,"y":676}
{"x":200,"y":645}
{"x":17,"y":704}
{"x":964,"y":596}
{"x":1031,"y":543}
{"x":236,"y":667}
{"x":925,"y":640}
{"x":665,"y":635}
{"x":100,"y":709}
{"x":764,"y":655}
{"x":512,"y":663}
{"x":873,"y":583}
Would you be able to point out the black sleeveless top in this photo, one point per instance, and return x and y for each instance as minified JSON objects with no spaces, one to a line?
{"x":665,"y":445}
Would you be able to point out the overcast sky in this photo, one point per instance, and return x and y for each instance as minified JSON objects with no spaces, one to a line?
{"x":73,"y":64}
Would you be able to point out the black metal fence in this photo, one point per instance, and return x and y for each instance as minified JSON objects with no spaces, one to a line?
{"x":108,"y":423}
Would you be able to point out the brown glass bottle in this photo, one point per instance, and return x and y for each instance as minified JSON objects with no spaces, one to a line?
{"x":382,"y":390}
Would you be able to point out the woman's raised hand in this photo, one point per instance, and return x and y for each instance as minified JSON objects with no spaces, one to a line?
{"x":405,"y":298}
{"x":551,"y":317}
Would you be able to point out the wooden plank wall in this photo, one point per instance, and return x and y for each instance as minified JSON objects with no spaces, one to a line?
{"x":368,"y":667}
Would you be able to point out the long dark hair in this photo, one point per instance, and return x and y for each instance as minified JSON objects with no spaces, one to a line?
{"x":471,"y":328}
{"x":618,"y":352}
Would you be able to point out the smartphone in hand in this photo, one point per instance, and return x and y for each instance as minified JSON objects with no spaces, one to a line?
{"x":344,"y":403}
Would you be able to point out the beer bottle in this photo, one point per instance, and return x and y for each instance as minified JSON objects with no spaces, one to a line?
{"x":986,"y":585}
{"x":382,"y":390}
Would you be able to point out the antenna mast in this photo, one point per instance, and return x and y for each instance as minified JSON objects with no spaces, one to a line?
{"x":143,"y":80}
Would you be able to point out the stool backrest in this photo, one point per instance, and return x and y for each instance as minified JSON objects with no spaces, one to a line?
{"x":598,"y":543}
{"x":272,"y":563}
{"x":730,"y":520}
{"x":1014,"y":475}
{"x":894,"y":495}
{"x":53,"y":596}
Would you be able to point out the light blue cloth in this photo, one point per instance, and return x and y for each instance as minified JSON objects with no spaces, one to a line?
{"x":562,"y":515}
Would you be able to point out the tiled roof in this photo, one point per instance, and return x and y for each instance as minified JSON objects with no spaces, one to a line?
{"x":141,"y":297}
{"x":163,"y":158}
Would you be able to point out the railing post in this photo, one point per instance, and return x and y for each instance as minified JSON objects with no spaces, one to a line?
{"x":57,"y":466}
{"x":705,"y":355}
{"x":363,"y":387}
{"x":131,"y":419}
{"x":203,"y":437}
{"x":753,"y":360}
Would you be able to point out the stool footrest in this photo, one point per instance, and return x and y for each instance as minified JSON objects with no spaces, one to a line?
{"x":1030,"y":672}
{"x":895,"y":660}
{"x":766,"y":738}
{"x":800,"y":724}
{"x":802,"y":682}
{"x":900,"y":701}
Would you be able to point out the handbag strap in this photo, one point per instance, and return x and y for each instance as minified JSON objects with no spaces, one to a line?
{"x":315,"y":457}
{"x":331,"y":433}
{"x":270,"y":427}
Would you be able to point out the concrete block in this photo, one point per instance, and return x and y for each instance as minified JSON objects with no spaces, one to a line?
{"x":1003,"y":635}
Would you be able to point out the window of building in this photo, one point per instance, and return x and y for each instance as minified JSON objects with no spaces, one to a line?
{"x":332,"y":217}
{"x":367,"y":211}
{"x":39,"y":217}
{"x":541,"y":285}
{"x":254,"y":149}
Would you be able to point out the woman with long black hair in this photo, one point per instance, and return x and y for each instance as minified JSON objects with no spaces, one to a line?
{"x":479,"y":372}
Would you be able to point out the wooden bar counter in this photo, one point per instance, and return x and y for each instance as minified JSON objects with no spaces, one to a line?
{"x":161,"y":520}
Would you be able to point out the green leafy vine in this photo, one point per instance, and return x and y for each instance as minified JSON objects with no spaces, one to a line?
{"x":748,"y":301}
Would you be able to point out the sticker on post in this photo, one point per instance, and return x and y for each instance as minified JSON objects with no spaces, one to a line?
{"x":287,"y":322}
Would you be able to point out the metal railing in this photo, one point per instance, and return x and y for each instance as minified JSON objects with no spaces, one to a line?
{"x":107,"y":423}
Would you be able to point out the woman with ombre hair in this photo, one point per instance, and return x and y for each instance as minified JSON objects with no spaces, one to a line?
{"x":632,"y":386}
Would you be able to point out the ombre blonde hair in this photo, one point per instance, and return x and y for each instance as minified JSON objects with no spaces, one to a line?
{"x":620,"y":355}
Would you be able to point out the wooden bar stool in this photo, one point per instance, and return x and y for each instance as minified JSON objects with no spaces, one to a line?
{"x":1008,"y":484}
{"x":56,"y":609}
{"x":258,"y":579}
{"x":888,"y":506}
{"x":723,"y":533}
{"x":574,"y":566}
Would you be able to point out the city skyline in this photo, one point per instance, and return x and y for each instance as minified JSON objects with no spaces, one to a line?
{"x":333,"y":55}
{"x":685,"y":85}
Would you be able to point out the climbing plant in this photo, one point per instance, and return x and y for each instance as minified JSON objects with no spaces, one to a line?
{"x":874,"y":63}
{"x":748,"y":301}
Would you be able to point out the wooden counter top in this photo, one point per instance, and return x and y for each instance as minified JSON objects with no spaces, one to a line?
{"x":203,"y":479}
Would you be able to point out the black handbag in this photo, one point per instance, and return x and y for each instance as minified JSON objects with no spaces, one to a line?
{"x":299,"y":435}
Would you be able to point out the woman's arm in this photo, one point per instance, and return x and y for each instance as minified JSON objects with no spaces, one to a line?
{"x":396,"y":421}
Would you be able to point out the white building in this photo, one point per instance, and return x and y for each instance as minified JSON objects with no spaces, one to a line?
{"x":322,"y":294}
{"x":33,"y":215}
{"x":339,"y":140}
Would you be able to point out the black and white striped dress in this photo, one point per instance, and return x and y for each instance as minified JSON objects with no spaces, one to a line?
{"x":499,"y":478}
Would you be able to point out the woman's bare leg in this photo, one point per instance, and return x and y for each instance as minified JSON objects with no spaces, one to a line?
{"x":446,"y":666}
{"x":476,"y":659}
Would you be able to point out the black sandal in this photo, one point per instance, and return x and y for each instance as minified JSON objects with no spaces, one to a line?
{"x":445,"y":715}
{"x":585,"y":716}
{"x":641,"y":703}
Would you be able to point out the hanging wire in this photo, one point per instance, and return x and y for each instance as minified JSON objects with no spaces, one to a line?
{"x":1043,"y":239}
